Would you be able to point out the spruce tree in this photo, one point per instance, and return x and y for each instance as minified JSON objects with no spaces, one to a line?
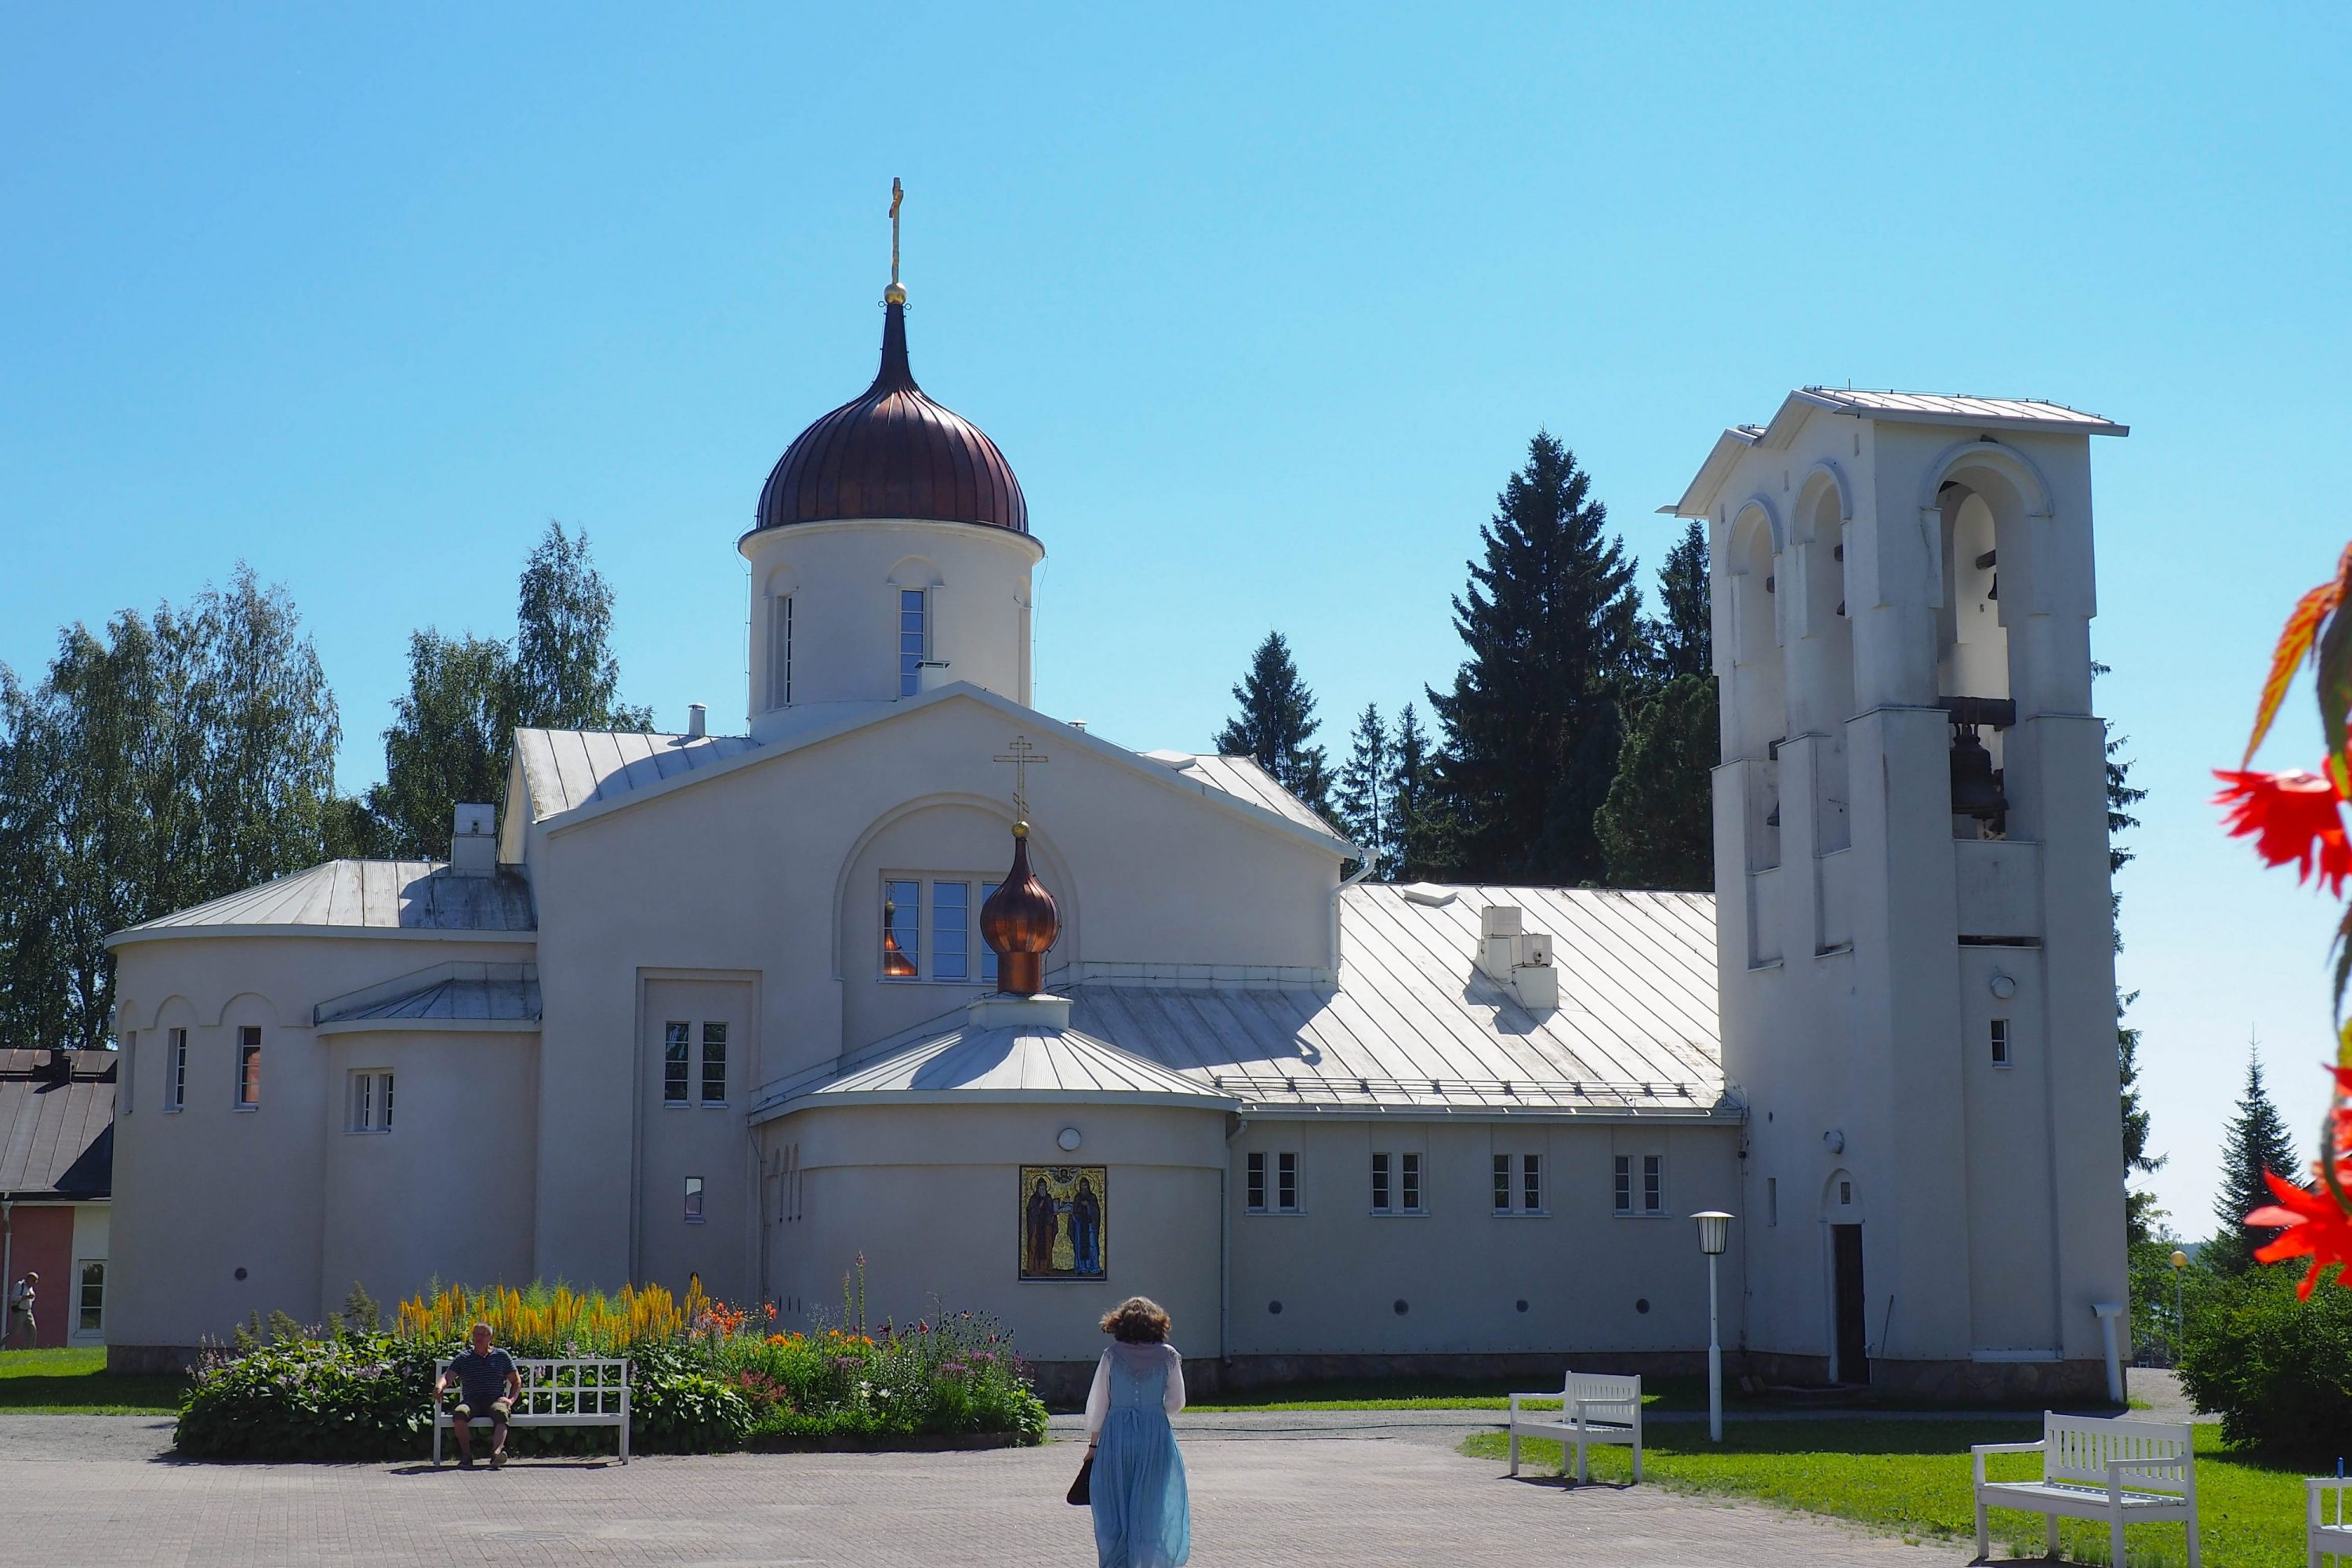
{"x":1681,"y":638}
{"x":1420,"y":843}
{"x":1532,"y":729}
{"x":1276,"y":723}
{"x":2255,"y":1141}
{"x":2140,"y":1213}
{"x":1363,"y":792}
{"x":1657,"y":826}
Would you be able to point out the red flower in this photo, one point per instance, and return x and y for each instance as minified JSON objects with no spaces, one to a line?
{"x":2311,"y":1224}
{"x":2291,"y":816}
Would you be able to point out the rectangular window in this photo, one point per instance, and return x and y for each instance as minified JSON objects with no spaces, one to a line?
{"x":902,"y":918}
{"x":89,"y":1306}
{"x":1653,"y":1183}
{"x":714,"y":1064}
{"x":175,"y":1068}
{"x":1380,"y":1184}
{"x":1622,"y":1197}
{"x":1771,"y":1200}
{"x":950,"y":931}
{"x":1412,"y":1194}
{"x":249,"y":1066}
{"x":371,"y":1103}
{"x":677,"y":1046}
{"x":913,"y":643}
{"x":987,"y":953}
{"x":1255,"y":1197}
{"x":1502,"y":1183}
{"x":694,"y":1200}
{"x":1532,"y":1183}
{"x":779,"y":674}
{"x":1286,"y":1182}
{"x":2000,"y":1042}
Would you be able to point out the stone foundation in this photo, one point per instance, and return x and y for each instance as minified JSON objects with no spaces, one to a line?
{"x":151,"y":1359}
{"x":1957,"y":1384}
{"x":1063,"y":1383}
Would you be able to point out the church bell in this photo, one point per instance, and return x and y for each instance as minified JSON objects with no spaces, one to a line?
{"x":1976,"y":783}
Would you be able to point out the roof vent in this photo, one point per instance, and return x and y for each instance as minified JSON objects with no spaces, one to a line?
{"x":474,"y":840}
{"x":697,"y":720}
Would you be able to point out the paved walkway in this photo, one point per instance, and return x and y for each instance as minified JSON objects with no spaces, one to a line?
{"x":92,"y":1490}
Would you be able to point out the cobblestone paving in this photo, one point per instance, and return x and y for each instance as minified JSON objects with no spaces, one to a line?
{"x":89,"y":1490}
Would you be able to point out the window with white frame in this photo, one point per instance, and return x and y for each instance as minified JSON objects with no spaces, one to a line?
{"x":1519,"y":1184}
{"x":175,"y":1068}
{"x":248,"y":1067}
{"x":1396,"y":1183}
{"x":1284,"y":1192}
{"x":1653,"y":1183}
{"x":1621,"y":1198}
{"x":779,"y":651}
{"x":370,"y":1101}
{"x":1999,"y":1034}
{"x":714,"y":1064}
{"x":89,"y":1296}
{"x":677,"y":1046}
{"x":914,"y":638}
{"x":694,"y":1200}
{"x":931,"y":930}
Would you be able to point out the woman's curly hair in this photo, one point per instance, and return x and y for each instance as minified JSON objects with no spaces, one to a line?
{"x":1137,"y":1320}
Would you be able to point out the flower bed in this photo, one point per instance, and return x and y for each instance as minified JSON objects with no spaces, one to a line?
{"x":703,"y":1377}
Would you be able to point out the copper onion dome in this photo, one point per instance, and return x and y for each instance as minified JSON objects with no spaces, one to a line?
{"x":1020,"y":922}
{"x":894,"y":453}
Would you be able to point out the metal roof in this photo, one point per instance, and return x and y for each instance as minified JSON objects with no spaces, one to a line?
{"x":447,"y":995}
{"x":1895,"y":407}
{"x":570,"y":770}
{"x":1026,"y":1062}
{"x":56,"y":1139}
{"x":1244,"y":779}
{"x":1413,"y":1024}
{"x":567,"y":769}
{"x":373,"y":895}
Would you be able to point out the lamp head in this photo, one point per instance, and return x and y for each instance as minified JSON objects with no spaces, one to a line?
{"x":2180,"y":1260}
{"x":1714,"y":1231}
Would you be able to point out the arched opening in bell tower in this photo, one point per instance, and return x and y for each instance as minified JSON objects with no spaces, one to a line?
{"x":1759,"y":683}
{"x":1972,"y":669}
{"x":1827,"y":700}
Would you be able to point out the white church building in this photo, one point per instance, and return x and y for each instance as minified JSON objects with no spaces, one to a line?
{"x":752,"y":1006}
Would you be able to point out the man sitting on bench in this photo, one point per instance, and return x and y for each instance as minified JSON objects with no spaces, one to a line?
{"x":488,"y":1386}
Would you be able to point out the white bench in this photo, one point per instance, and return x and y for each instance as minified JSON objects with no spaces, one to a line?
{"x":2139,"y":1471}
{"x":579,"y":1392}
{"x":1593,"y":1408}
{"x":2326,"y":1537}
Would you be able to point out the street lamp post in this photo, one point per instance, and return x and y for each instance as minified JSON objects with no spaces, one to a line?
{"x":2180,"y":1262}
{"x":1713,"y":1236}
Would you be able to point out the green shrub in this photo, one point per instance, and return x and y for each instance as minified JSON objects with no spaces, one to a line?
{"x":687,"y":1412}
{"x":2277,"y":1370}
{"x":302,"y":1399}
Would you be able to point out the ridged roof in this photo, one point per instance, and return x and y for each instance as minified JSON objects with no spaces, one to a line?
{"x":385,"y":895}
{"x":446,"y":994}
{"x":892,"y":453}
{"x":57,"y":1140}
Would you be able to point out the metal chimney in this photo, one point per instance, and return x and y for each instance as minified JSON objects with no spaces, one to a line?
{"x":697,"y":716}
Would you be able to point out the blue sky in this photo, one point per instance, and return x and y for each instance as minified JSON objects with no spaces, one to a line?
{"x":1263,"y":303}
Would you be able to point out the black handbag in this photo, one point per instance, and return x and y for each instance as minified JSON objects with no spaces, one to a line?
{"x":1082,"y":1491}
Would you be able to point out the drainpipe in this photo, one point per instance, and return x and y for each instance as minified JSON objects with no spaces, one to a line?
{"x":1226,"y":1248}
{"x":1362,"y":872}
{"x":2108,"y":1312}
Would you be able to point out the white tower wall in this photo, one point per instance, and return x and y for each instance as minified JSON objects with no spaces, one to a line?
{"x":1870,"y":940}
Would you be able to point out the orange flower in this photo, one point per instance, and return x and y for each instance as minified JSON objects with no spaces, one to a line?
{"x":2311,"y":1224}
{"x":2291,"y":816}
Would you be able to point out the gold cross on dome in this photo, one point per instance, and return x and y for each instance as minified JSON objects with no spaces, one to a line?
{"x":1022,"y":755}
{"x":898,"y":194}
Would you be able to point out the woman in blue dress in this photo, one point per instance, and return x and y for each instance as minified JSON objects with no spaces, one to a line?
{"x":1143,"y":1517}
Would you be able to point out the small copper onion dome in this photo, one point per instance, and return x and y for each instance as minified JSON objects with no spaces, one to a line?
{"x":894,"y":453}
{"x":1020,"y":922}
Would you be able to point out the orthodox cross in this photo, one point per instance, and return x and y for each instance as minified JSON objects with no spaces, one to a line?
{"x":1022,"y":755}
{"x":898,"y":194}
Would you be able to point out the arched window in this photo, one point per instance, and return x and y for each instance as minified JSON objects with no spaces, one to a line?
{"x":780,"y":652}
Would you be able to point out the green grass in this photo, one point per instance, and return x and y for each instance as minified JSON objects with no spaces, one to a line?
{"x":76,"y":1382}
{"x":1913,"y":1478}
{"x":1428,"y":1394}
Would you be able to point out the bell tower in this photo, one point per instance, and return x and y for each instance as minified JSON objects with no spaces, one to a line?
{"x":1916,"y":941}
